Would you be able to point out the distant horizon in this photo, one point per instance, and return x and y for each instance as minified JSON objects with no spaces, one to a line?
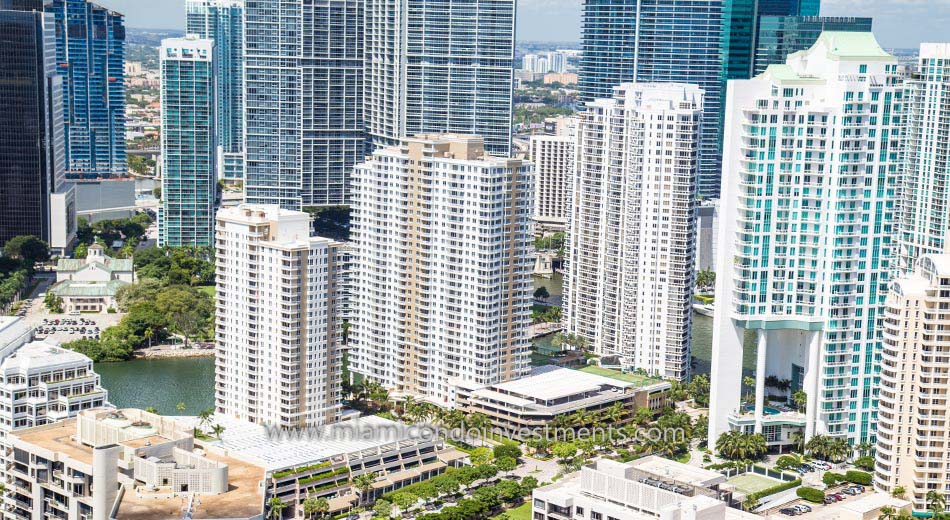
{"x":520,"y":40}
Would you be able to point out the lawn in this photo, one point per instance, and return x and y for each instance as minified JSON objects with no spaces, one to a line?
{"x":522,"y":512}
{"x":616,"y":374}
{"x":207,"y":289}
{"x":749,"y":483}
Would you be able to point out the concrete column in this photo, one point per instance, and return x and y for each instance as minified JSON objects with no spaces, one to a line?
{"x":105,"y":480}
{"x":811,"y":386}
{"x":762,"y":344}
{"x":726,"y":373}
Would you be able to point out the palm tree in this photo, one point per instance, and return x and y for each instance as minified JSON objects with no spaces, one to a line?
{"x":180,"y":407}
{"x":818,"y":446}
{"x":839,"y":450}
{"x":888,"y":513}
{"x":276,"y":506}
{"x":205,"y":417}
{"x":936,"y":503}
{"x":736,"y":445}
{"x":749,"y":382}
{"x":151,"y":409}
{"x":898,"y":492}
{"x":217,"y":429}
{"x":149,"y":332}
{"x":315,"y":506}
{"x":363,"y":483}
{"x":865,"y":449}
{"x":800,"y":398}
{"x":798,"y":439}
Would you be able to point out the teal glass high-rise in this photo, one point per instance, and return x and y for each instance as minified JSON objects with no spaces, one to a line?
{"x":220,"y":20}
{"x":779,"y":36}
{"x":659,"y":41}
{"x":90,"y":56}
{"x":186,"y":214}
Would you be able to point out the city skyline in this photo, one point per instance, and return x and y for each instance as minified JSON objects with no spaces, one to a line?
{"x":902,"y":24}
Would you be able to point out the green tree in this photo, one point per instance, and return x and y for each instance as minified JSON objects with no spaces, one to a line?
{"x":363,"y":483}
{"x":480,"y":456}
{"x":28,"y":248}
{"x":313,"y":506}
{"x":180,"y":407}
{"x":800,"y":398}
{"x":405,"y":500}
{"x":217,"y":430}
{"x":899,"y":492}
{"x":276,"y":507}
{"x":507,"y":449}
{"x":53,"y":303}
{"x":383,"y":509}
{"x":735,"y":445}
{"x":506,"y":464}
{"x":541,"y":294}
{"x":936,"y":503}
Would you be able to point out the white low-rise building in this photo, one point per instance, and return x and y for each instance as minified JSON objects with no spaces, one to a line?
{"x":90,"y":284}
{"x":637,"y":490}
{"x":129,"y":463}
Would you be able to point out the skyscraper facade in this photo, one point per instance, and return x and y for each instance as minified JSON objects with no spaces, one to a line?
{"x":788,"y":7}
{"x":90,"y":56}
{"x":925,"y":205}
{"x":442,"y":290}
{"x":659,"y":41}
{"x":34,"y":197}
{"x":913,"y":442}
{"x":303,"y":99}
{"x":221,"y":21}
{"x":278,"y":359}
{"x":807,"y":227}
{"x":779,"y":36}
{"x":632,"y":226}
{"x":440,"y":67}
{"x":186,"y":214}
{"x":553,"y":158}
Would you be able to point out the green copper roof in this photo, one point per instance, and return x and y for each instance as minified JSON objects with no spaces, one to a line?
{"x":852,"y":44}
{"x":70,"y":288}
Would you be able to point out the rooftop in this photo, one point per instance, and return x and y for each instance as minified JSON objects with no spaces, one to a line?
{"x":852,"y":44}
{"x":550,"y":382}
{"x":57,"y":437}
{"x":106,"y":263}
{"x":73,"y":288}
{"x":281,"y":450}
{"x":244,"y":498}
{"x":678,"y":471}
{"x":41,"y":354}
{"x":636,"y":380}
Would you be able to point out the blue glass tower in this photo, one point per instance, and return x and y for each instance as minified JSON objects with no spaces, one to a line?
{"x":186,"y":215}
{"x":90,"y":56}
{"x":220,"y":20}
{"x":659,"y":41}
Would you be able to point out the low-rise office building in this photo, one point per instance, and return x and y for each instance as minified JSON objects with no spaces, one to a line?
{"x":638,"y":490}
{"x":142,"y":465}
{"x":526,"y":405}
{"x":321,"y":462}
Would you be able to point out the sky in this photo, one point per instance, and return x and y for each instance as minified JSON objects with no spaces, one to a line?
{"x":897,"y":23}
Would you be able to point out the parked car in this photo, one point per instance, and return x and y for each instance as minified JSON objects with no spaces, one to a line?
{"x":788,"y":511}
{"x":830,"y":499}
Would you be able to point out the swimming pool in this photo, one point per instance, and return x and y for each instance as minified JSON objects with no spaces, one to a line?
{"x":768,"y":410}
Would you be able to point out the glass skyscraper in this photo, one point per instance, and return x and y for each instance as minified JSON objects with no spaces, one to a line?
{"x":186,"y":214}
{"x":90,"y":56}
{"x":440,"y":67}
{"x":779,"y":36}
{"x":676,"y":41}
{"x":220,"y":20}
{"x":303,"y":96}
{"x":34,"y":197}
